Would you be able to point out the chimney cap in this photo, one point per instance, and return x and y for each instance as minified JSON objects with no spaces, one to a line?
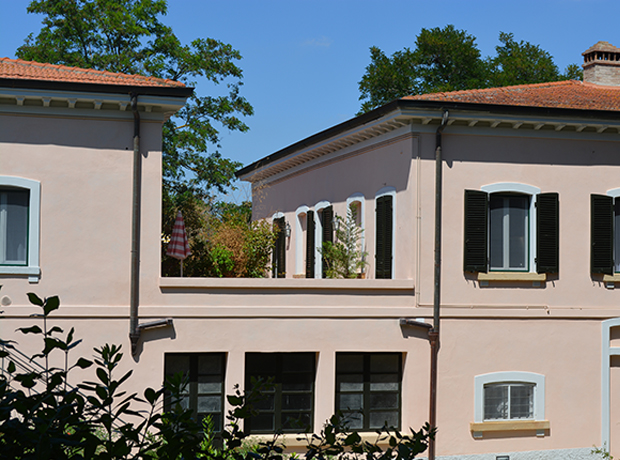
{"x":601,"y":46}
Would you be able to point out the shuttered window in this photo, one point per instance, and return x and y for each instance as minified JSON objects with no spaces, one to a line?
{"x":278,"y":264}
{"x":602,"y":234}
{"x":497,"y":232}
{"x":327,"y":222}
{"x":310,"y":244}
{"x":383,"y":237}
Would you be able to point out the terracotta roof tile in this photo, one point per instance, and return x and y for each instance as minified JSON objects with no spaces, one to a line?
{"x":30,"y":70}
{"x":569,"y":94}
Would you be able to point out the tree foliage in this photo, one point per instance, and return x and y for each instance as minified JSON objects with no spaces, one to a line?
{"x":127,"y":36}
{"x":448,"y":59}
{"x":345,"y":258}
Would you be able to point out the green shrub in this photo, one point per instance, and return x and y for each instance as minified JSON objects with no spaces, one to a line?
{"x":345,"y":257}
{"x":43,"y":417}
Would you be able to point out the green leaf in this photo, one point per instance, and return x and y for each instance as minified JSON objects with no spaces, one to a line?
{"x":103,"y":376}
{"x":30,"y":330}
{"x":83,"y":363}
{"x":11,"y":367}
{"x":150,"y":395}
{"x":51,"y":304}
{"x":34,"y":299}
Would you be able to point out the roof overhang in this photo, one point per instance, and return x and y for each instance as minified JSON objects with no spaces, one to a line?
{"x":425,"y":116}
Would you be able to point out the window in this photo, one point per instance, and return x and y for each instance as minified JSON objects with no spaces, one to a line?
{"x":278,"y":263}
{"x":301,"y":240}
{"x":19,"y":226}
{"x":288,"y":404}
{"x":320,"y":231}
{"x":509,"y":396}
{"x":204,"y":394}
{"x":368,"y":389}
{"x":511,"y":227}
{"x":384,"y":232}
{"x":605,"y":233}
{"x":508,"y":401}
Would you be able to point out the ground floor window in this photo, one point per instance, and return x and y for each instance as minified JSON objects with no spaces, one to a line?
{"x":508,"y":401}
{"x":368,"y":389}
{"x":288,"y":402}
{"x":204,"y":394}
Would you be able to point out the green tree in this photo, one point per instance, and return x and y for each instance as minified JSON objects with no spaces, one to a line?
{"x":448,"y":59}
{"x":127,"y":36}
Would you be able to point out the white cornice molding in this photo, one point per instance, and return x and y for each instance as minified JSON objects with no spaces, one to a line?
{"x":427,"y":121}
{"x":86,"y":104}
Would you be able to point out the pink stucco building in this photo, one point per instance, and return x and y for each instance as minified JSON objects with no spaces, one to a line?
{"x":528,"y":361}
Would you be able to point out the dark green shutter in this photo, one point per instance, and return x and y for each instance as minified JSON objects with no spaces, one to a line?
{"x":383,"y":238}
{"x":548,"y":233}
{"x":476,"y":224}
{"x":327,"y":218}
{"x":601,"y":234}
{"x":310,"y":244}
{"x":278,"y":268}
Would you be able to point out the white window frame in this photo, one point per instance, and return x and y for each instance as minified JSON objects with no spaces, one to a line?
{"x":524,"y":189}
{"x":300,"y":263}
{"x":392,"y":192}
{"x":318,"y":238}
{"x":359,"y":198}
{"x":538,"y":380}
{"x":615,"y":194}
{"x":32,"y":269}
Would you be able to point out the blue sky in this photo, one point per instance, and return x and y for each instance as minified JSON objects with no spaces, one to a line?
{"x":302,"y":59}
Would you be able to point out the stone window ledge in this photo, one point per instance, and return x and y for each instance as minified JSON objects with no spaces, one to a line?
{"x":540,"y":426}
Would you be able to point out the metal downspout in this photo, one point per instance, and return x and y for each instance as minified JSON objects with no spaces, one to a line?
{"x":433,"y":334}
{"x":134,"y":300}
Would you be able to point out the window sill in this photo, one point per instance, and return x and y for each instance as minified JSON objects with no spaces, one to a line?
{"x":283,"y":283}
{"x":540,"y":426}
{"x":535,"y":278}
{"x":615,"y":278}
{"x":293,"y":440}
{"x":33,"y":273}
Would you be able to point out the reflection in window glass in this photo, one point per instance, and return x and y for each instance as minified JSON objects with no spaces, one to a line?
{"x":509,"y":235}
{"x":508,"y":401}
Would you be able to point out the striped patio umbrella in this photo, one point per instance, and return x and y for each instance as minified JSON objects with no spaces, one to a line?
{"x":178,"y":246}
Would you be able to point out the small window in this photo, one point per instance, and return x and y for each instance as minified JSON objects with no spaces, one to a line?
{"x":19,"y":227}
{"x":511,"y":227}
{"x":510,"y":395}
{"x":288,"y":404}
{"x":14,"y":205}
{"x":368,"y":389}
{"x":204,"y":394}
{"x":508,"y":401}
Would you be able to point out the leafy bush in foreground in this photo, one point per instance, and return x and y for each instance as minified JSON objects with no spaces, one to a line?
{"x":43,"y":417}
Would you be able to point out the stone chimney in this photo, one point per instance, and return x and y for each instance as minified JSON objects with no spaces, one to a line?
{"x":601,"y":64}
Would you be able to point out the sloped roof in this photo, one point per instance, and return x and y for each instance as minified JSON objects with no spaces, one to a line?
{"x":569,"y":94}
{"x":30,"y":70}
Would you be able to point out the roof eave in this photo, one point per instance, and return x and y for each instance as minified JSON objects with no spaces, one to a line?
{"x":180,"y":91}
{"x":407,"y":104}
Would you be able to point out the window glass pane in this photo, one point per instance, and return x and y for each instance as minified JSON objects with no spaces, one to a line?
{"x":495,"y":402}
{"x":263,"y":422}
{"x":297,"y":382}
{"x":521,"y":401}
{"x":384,"y":400}
{"x":509,"y":231}
{"x":518,"y":232}
{"x":209,"y":403}
{"x":297,"y":401}
{"x":298,"y":422}
{"x":378,"y":419}
{"x":350,"y":362}
{"x":351,"y":401}
{"x":177,"y":363}
{"x":210,"y":384}
{"x":380,"y":362}
{"x":297,"y":362}
{"x":384,"y":382}
{"x":14,"y":235}
{"x":351,"y":382}
{"x":209,"y":364}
